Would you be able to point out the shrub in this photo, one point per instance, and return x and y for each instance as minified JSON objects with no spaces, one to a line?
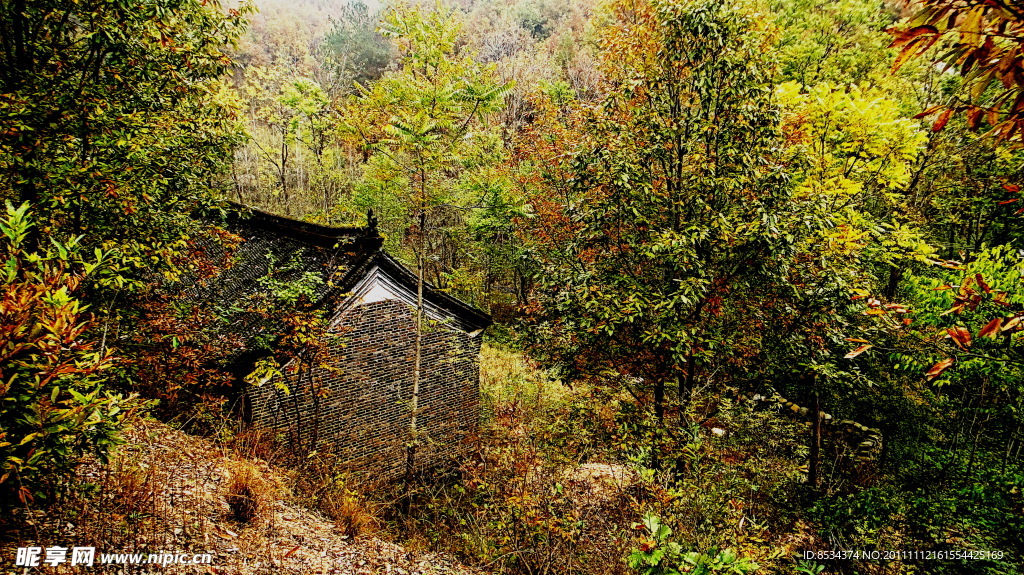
{"x":53,"y":406}
{"x":659,"y":555}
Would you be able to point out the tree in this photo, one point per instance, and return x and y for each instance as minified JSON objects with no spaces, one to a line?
{"x":671,"y":208}
{"x":851,"y":154}
{"x":966,"y":191}
{"x":116,"y":124}
{"x":116,"y":127}
{"x":838,"y":42}
{"x":291,"y":128}
{"x":428,"y":137}
{"x":354,"y":51}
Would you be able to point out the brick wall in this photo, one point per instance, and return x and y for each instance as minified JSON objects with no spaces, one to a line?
{"x":355,"y":400}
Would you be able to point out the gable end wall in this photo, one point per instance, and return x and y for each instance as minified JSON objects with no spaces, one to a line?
{"x":355,"y":400}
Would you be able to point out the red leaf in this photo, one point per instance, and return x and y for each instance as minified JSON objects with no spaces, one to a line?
{"x":981,"y":283}
{"x":992,"y":117}
{"x":912,"y":47}
{"x":1008,"y":201}
{"x":904,"y":36}
{"x":975,"y":300}
{"x":991,"y":329}
{"x":974,"y":117}
{"x":942,"y":119}
{"x":960,"y":336}
{"x":939,"y":367}
{"x":860,"y":349}
{"x":918,"y":30}
{"x":1012,"y":188}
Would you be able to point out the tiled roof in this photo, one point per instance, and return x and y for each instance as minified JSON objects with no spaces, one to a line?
{"x":283,"y":265}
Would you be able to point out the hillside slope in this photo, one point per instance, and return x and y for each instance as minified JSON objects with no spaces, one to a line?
{"x":167,"y":492}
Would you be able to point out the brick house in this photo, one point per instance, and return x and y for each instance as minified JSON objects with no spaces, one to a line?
{"x":347,"y":386}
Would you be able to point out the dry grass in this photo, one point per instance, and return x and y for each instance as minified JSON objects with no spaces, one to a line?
{"x":123,"y":503}
{"x":249,"y":495}
{"x":257,"y":444}
{"x":315,"y":480}
{"x":352,"y":513}
{"x":345,"y":497}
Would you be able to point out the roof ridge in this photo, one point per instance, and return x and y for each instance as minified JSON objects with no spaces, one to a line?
{"x":307,"y":232}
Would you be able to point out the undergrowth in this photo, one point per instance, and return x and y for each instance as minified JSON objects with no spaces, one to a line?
{"x":554,"y":484}
{"x":555,"y":481}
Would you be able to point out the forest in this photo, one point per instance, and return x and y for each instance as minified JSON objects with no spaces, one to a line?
{"x":760,"y":262}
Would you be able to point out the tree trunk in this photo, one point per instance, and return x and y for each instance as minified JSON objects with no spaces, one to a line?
{"x":659,"y":416}
{"x":1009,"y":448}
{"x":895,"y":274}
{"x":418,"y":354}
{"x":815,"y":463}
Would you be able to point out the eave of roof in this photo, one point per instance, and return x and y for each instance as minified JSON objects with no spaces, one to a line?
{"x":470,"y":317}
